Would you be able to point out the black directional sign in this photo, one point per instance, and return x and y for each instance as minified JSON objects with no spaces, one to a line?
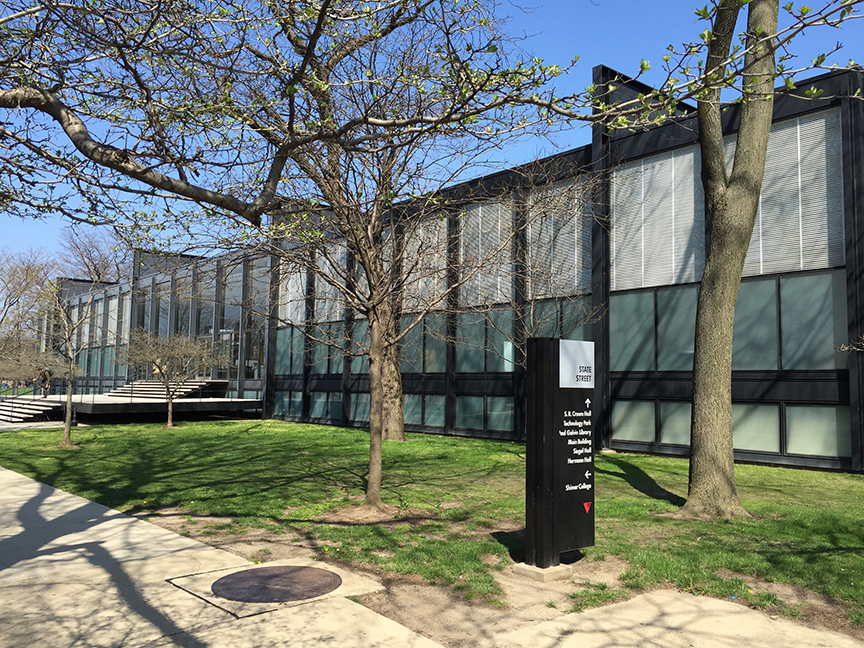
{"x":559,"y":449}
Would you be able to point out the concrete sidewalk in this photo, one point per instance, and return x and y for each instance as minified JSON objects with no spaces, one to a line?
{"x":74,"y":573}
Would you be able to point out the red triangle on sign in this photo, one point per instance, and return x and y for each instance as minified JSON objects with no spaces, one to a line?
{"x":587,"y":506}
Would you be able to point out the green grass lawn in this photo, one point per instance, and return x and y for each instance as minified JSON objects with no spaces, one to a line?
{"x":463,"y":503}
{"x":22,"y":391}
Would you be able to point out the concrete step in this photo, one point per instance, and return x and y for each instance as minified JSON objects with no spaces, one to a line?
{"x":20,"y":410}
{"x":153,"y":389}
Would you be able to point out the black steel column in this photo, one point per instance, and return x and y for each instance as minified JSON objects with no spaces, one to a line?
{"x":268,"y":373}
{"x":852,"y":116}
{"x":600,"y":274}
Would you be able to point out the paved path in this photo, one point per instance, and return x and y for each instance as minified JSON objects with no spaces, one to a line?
{"x":75,"y":573}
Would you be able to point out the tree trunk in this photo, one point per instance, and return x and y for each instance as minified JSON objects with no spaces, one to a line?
{"x":66,"y":442}
{"x":394,"y":410}
{"x":376,"y":410}
{"x":712,"y":490}
{"x":170,"y":423}
{"x":731,"y":203}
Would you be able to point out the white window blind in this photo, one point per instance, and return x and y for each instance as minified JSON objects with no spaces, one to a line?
{"x":559,"y":241}
{"x":292,"y":295}
{"x":332,"y":263}
{"x":485,"y":257}
{"x":800,"y":221}
{"x":658,"y":222}
{"x":424,"y":264}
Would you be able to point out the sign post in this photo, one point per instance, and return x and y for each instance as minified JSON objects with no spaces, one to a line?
{"x":559,"y":512}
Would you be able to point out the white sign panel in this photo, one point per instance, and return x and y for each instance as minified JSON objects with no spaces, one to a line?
{"x":576,"y":364}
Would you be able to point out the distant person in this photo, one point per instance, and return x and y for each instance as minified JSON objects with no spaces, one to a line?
{"x":45,"y":375}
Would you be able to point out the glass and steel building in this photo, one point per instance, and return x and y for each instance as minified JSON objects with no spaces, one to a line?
{"x":605,"y":243}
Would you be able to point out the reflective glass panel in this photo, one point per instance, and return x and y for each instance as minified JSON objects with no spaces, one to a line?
{"x":631,"y":332}
{"x":469,"y":412}
{"x":633,"y":420}
{"x":470,"y":342}
{"x":435,"y":344}
{"x":756,"y":427}
{"x":813,"y":320}
{"x":360,"y":408}
{"x":411,"y":348}
{"x":756,"y":337}
{"x":318,"y":407}
{"x":676,"y":327}
{"x":435,"y":405}
{"x":818,"y":430}
{"x":500,"y":413}
{"x":499,"y":344}
{"x":413,"y":404}
{"x":283,"y":351}
{"x":675,"y":422}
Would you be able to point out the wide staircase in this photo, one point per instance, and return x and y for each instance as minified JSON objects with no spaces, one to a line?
{"x":153,"y":389}
{"x":23,"y":409}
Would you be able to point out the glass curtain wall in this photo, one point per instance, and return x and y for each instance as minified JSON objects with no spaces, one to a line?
{"x":791,"y":310}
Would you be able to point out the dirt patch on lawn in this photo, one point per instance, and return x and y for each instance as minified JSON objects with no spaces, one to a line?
{"x":441,"y":613}
{"x":807,"y":606}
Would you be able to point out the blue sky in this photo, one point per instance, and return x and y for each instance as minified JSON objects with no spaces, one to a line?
{"x":616,"y":33}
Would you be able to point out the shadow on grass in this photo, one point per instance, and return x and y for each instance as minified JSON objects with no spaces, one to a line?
{"x":639,"y":480}
{"x":514,"y":541}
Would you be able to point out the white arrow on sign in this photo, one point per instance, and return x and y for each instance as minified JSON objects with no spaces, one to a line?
{"x":587,"y":402}
{"x":587,"y":474}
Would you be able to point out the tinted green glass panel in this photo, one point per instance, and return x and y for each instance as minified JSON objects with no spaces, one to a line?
{"x":109,"y":362}
{"x":318,"y":407}
{"x":676,"y":327}
{"x":631,"y":332}
{"x":435,"y":344}
{"x":297,"y":341}
{"x":320,"y":352}
{"x":435,"y":404}
{"x":499,"y":335}
{"x":575,"y":318}
{"x":813,"y":320}
{"x":756,"y":427}
{"x":633,"y":420}
{"x":283,"y":351}
{"x":359,"y":407}
{"x":470,"y":343}
{"x":756,"y":337}
{"x":411,"y":350}
{"x":469,"y":412}
{"x":818,"y":430}
{"x":334,"y":406}
{"x":336,"y":335}
{"x":413,"y":404}
{"x":360,"y":363}
{"x":296,"y":404}
{"x":281,"y":403}
{"x":675,"y":422}
{"x":544,"y":319}
{"x":500,"y":413}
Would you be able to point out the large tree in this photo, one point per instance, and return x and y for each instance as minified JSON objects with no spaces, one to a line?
{"x":221,"y":114}
{"x":746,"y":65}
{"x":731,"y":203}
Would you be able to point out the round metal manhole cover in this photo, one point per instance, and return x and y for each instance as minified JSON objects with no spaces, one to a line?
{"x":276,"y":584}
